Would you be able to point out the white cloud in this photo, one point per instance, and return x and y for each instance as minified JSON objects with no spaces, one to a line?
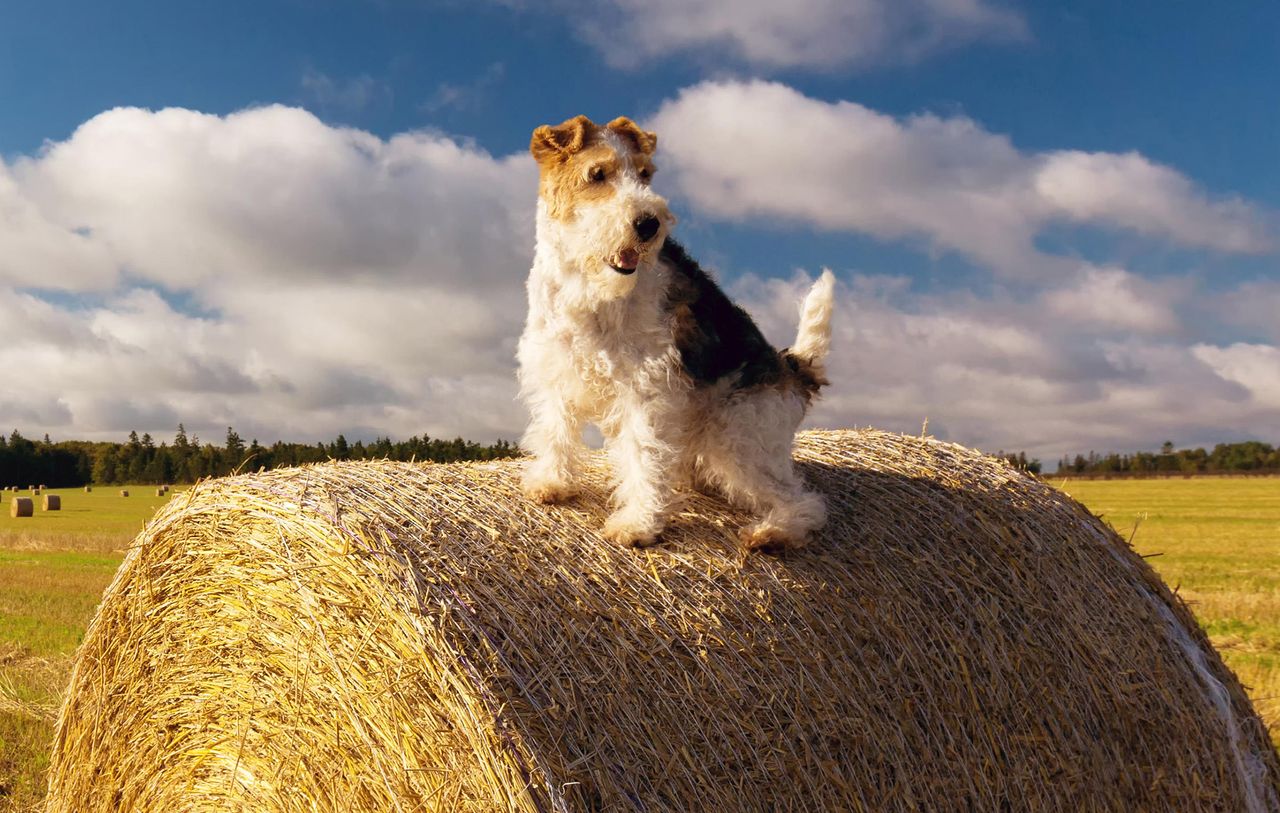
{"x":329,"y":279}
{"x":292,"y":279}
{"x":1112,"y":298}
{"x":1129,"y":191}
{"x":1256,"y":367}
{"x":1253,"y":305}
{"x":989,"y":373}
{"x":766,"y":34}
{"x":760,"y":150}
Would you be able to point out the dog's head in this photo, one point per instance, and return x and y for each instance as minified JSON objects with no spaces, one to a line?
{"x":594,"y":183}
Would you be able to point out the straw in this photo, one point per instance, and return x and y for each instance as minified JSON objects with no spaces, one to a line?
{"x":377,"y":636}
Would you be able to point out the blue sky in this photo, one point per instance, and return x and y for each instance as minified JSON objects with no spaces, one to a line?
{"x":1138,"y":277}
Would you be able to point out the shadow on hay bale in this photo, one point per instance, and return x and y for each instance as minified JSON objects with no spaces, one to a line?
{"x":381,"y":636}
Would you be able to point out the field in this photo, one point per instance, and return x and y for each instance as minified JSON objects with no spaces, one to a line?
{"x":53,"y":568}
{"x":1216,"y":540}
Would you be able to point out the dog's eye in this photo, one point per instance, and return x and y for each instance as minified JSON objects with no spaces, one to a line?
{"x":596,"y":175}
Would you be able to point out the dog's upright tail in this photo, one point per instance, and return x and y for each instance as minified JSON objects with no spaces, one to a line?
{"x":813,"y":339}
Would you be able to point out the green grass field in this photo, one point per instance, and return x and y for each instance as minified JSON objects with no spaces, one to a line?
{"x":53,"y":568}
{"x":1217,"y":540}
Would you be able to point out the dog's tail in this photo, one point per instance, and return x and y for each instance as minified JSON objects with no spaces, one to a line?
{"x":813,"y":339}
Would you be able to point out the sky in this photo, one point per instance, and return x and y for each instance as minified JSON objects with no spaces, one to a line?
{"x":1054,"y":226}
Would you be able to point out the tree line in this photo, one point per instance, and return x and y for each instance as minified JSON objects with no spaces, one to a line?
{"x":1249,"y":457}
{"x":71,"y":463}
{"x":1019,"y":461}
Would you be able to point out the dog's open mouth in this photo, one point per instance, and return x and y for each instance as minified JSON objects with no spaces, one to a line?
{"x":625,"y":261}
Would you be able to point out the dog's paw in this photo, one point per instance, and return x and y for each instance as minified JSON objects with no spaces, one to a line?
{"x":547,"y":491}
{"x":768,"y":538}
{"x":625,"y":531}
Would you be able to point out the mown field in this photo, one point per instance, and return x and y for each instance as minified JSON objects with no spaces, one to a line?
{"x":53,"y":568}
{"x":1216,"y":540}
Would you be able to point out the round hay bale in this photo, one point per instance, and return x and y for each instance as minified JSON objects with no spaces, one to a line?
{"x":159,"y":492}
{"x":124,"y":492}
{"x":21,"y":507}
{"x":51,"y":502}
{"x":87,"y":489}
{"x":373,"y":636}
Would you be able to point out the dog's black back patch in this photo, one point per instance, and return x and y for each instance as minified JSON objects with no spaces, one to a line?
{"x":715,"y":337}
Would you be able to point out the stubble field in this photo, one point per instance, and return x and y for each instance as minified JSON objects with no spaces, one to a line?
{"x":1216,"y":540}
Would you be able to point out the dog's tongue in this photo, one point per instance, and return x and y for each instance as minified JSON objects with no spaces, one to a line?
{"x":628,"y":258}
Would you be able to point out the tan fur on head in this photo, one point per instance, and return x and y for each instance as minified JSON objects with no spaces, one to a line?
{"x":563,"y":140}
{"x":567,"y":154}
{"x":643,"y":140}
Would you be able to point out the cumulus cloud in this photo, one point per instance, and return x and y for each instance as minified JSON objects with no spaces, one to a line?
{"x":294,"y":280}
{"x":265,"y":270}
{"x":948,"y":181}
{"x":1112,"y":298}
{"x":766,"y":34}
{"x":1253,"y":306}
{"x":989,"y":373}
{"x":1256,"y":367}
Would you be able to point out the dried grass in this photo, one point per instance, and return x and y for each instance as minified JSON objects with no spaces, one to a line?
{"x":21,"y":507}
{"x":396,"y":637}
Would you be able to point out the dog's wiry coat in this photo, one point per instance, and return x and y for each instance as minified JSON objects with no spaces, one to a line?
{"x":626,"y":331}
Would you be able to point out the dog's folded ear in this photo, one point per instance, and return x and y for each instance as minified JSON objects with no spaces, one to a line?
{"x":644,"y":140}
{"x":559,"y":142}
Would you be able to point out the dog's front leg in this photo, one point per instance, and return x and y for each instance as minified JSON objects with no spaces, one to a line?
{"x":555,"y":439}
{"x":643,"y":459}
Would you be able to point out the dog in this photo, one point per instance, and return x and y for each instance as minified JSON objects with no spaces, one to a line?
{"x":626,"y":331}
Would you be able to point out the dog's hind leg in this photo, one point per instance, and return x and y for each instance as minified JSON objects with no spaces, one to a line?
{"x":749,"y":461}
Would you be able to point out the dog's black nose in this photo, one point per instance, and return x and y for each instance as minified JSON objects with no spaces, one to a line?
{"x":646,"y":227}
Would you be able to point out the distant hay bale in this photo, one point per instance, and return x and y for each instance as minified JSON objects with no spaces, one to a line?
{"x":87,"y":489}
{"x":124,"y":492}
{"x":373,"y":636}
{"x":159,"y":492}
{"x":52,"y":502}
{"x":21,"y":507}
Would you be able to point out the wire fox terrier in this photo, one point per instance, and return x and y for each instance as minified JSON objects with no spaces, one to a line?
{"x":627,"y":332}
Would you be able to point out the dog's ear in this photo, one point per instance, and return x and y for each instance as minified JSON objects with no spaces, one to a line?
{"x":559,"y":142}
{"x":644,"y":140}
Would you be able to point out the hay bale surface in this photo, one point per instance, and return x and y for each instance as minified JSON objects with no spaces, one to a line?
{"x":384,"y":636}
{"x":51,"y":502}
{"x":21,"y":507}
